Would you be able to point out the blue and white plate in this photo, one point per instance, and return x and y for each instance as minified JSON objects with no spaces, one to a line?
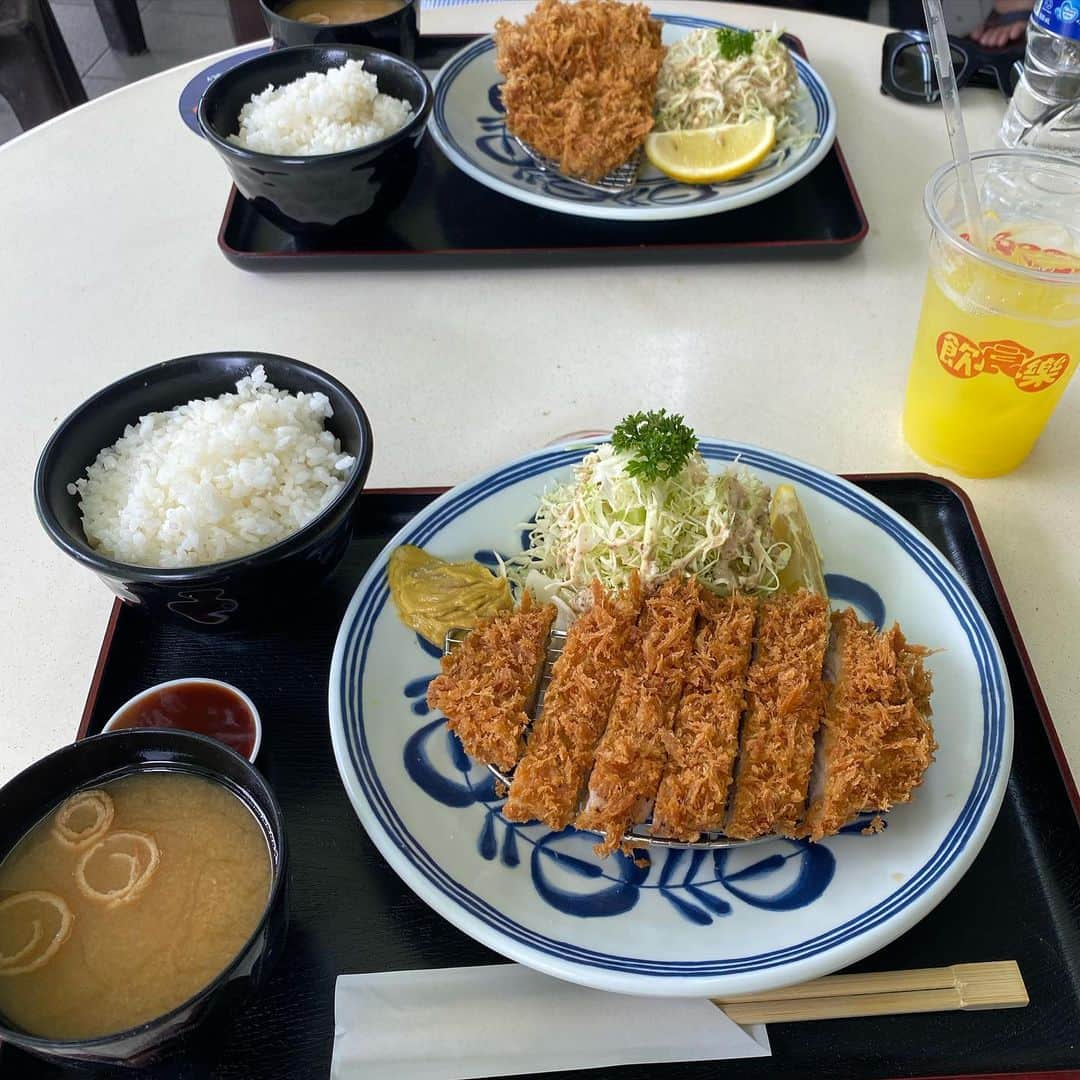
{"x":467,"y":122}
{"x":692,"y":923}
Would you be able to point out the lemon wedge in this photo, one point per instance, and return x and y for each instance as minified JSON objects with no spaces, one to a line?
{"x":804,"y":569}
{"x":709,"y":155}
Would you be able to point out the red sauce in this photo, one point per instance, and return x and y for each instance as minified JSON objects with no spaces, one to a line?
{"x":200,"y":707}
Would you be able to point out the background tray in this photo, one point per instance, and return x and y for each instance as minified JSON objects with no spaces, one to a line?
{"x":450,"y":216}
{"x":351,"y":913}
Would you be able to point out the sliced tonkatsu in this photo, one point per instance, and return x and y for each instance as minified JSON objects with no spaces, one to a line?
{"x":785,"y":708}
{"x":489,"y":682}
{"x":600,"y":645}
{"x":699,"y":711}
{"x":877,"y":740}
{"x":630,"y":757}
{"x":694,"y":789}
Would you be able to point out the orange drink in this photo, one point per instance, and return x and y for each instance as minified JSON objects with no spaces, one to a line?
{"x":999,"y":334}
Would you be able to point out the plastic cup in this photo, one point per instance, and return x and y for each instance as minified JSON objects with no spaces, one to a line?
{"x":999,"y":333}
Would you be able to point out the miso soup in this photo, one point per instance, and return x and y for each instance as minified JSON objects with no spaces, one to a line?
{"x":125,"y":901}
{"x":336,"y":12}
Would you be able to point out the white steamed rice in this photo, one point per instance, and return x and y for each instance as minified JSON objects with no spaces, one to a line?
{"x":321,"y":114}
{"x":213,"y":479}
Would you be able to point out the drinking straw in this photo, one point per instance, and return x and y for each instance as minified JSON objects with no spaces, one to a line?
{"x":954,"y":119}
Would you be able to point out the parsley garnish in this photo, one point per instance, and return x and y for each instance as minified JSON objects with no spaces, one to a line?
{"x":660,"y":444}
{"x":734,"y":43}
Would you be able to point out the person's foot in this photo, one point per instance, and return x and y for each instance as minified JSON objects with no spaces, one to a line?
{"x":1004,"y":25}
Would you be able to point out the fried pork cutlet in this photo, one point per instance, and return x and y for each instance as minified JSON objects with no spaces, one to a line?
{"x":630,"y":757}
{"x":701,"y":750}
{"x":580,"y":81}
{"x":877,"y":741}
{"x":489,"y":682}
{"x":550,"y":777}
{"x":785,"y":707}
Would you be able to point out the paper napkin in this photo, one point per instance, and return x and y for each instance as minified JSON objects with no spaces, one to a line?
{"x":460,"y":1023}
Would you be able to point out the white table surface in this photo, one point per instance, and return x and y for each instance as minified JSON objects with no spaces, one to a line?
{"x":109,"y":261}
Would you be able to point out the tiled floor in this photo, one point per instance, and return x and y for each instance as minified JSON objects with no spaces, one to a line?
{"x":176,"y":30}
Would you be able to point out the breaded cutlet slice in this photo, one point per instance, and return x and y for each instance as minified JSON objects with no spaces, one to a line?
{"x":548,"y":781}
{"x":701,"y":750}
{"x":785,"y":707}
{"x":630,"y":757}
{"x":488,"y":683}
{"x":580,"y":81}
{"x":878,"y":740}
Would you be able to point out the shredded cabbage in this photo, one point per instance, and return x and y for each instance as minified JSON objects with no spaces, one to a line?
{"x":697,"y":87}
{"x":606,"y":524}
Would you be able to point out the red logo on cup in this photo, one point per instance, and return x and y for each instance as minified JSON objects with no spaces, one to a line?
{"x":964,"y":359}
{"x":959,"y":355}
{"x":1041,"y":371}
{"x":1033,"y":256}
{"x":1005,"y":356}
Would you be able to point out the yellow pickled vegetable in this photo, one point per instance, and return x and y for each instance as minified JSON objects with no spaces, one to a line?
{"x":433,"y":595}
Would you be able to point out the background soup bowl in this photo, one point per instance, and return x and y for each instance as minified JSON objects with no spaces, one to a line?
{"x":317,"y":193}
{"x":395,"y":32}
{"x":45,"y":784}
{"x":217,"y":595}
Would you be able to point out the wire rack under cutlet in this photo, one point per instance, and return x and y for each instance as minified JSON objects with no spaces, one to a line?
{"x":621,"y":178}
{"x":640,"y":836}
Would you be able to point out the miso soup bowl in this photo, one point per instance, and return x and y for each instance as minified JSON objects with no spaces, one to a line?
{"x":44,"y":785}
{"x":315,"y":194}
{"x":395,"y":32}
{"x":215,"y":596}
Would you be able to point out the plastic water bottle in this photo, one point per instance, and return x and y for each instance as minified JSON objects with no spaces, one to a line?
{"x":1039,"y":114}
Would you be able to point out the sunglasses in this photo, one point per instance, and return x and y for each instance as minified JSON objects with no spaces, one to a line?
{"x":908,"y":73}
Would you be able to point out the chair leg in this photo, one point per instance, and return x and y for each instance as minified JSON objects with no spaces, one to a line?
{"x":38,"y":82}
{"x":247,"y":21}
{"x":123,"y":27}
{"x":64,"y":66}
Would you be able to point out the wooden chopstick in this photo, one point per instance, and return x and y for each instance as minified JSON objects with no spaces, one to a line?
{"x":994,"y":985}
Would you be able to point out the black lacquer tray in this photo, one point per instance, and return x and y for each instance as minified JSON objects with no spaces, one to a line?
{"x":351,"y":913}
{"x":448,"y":217}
